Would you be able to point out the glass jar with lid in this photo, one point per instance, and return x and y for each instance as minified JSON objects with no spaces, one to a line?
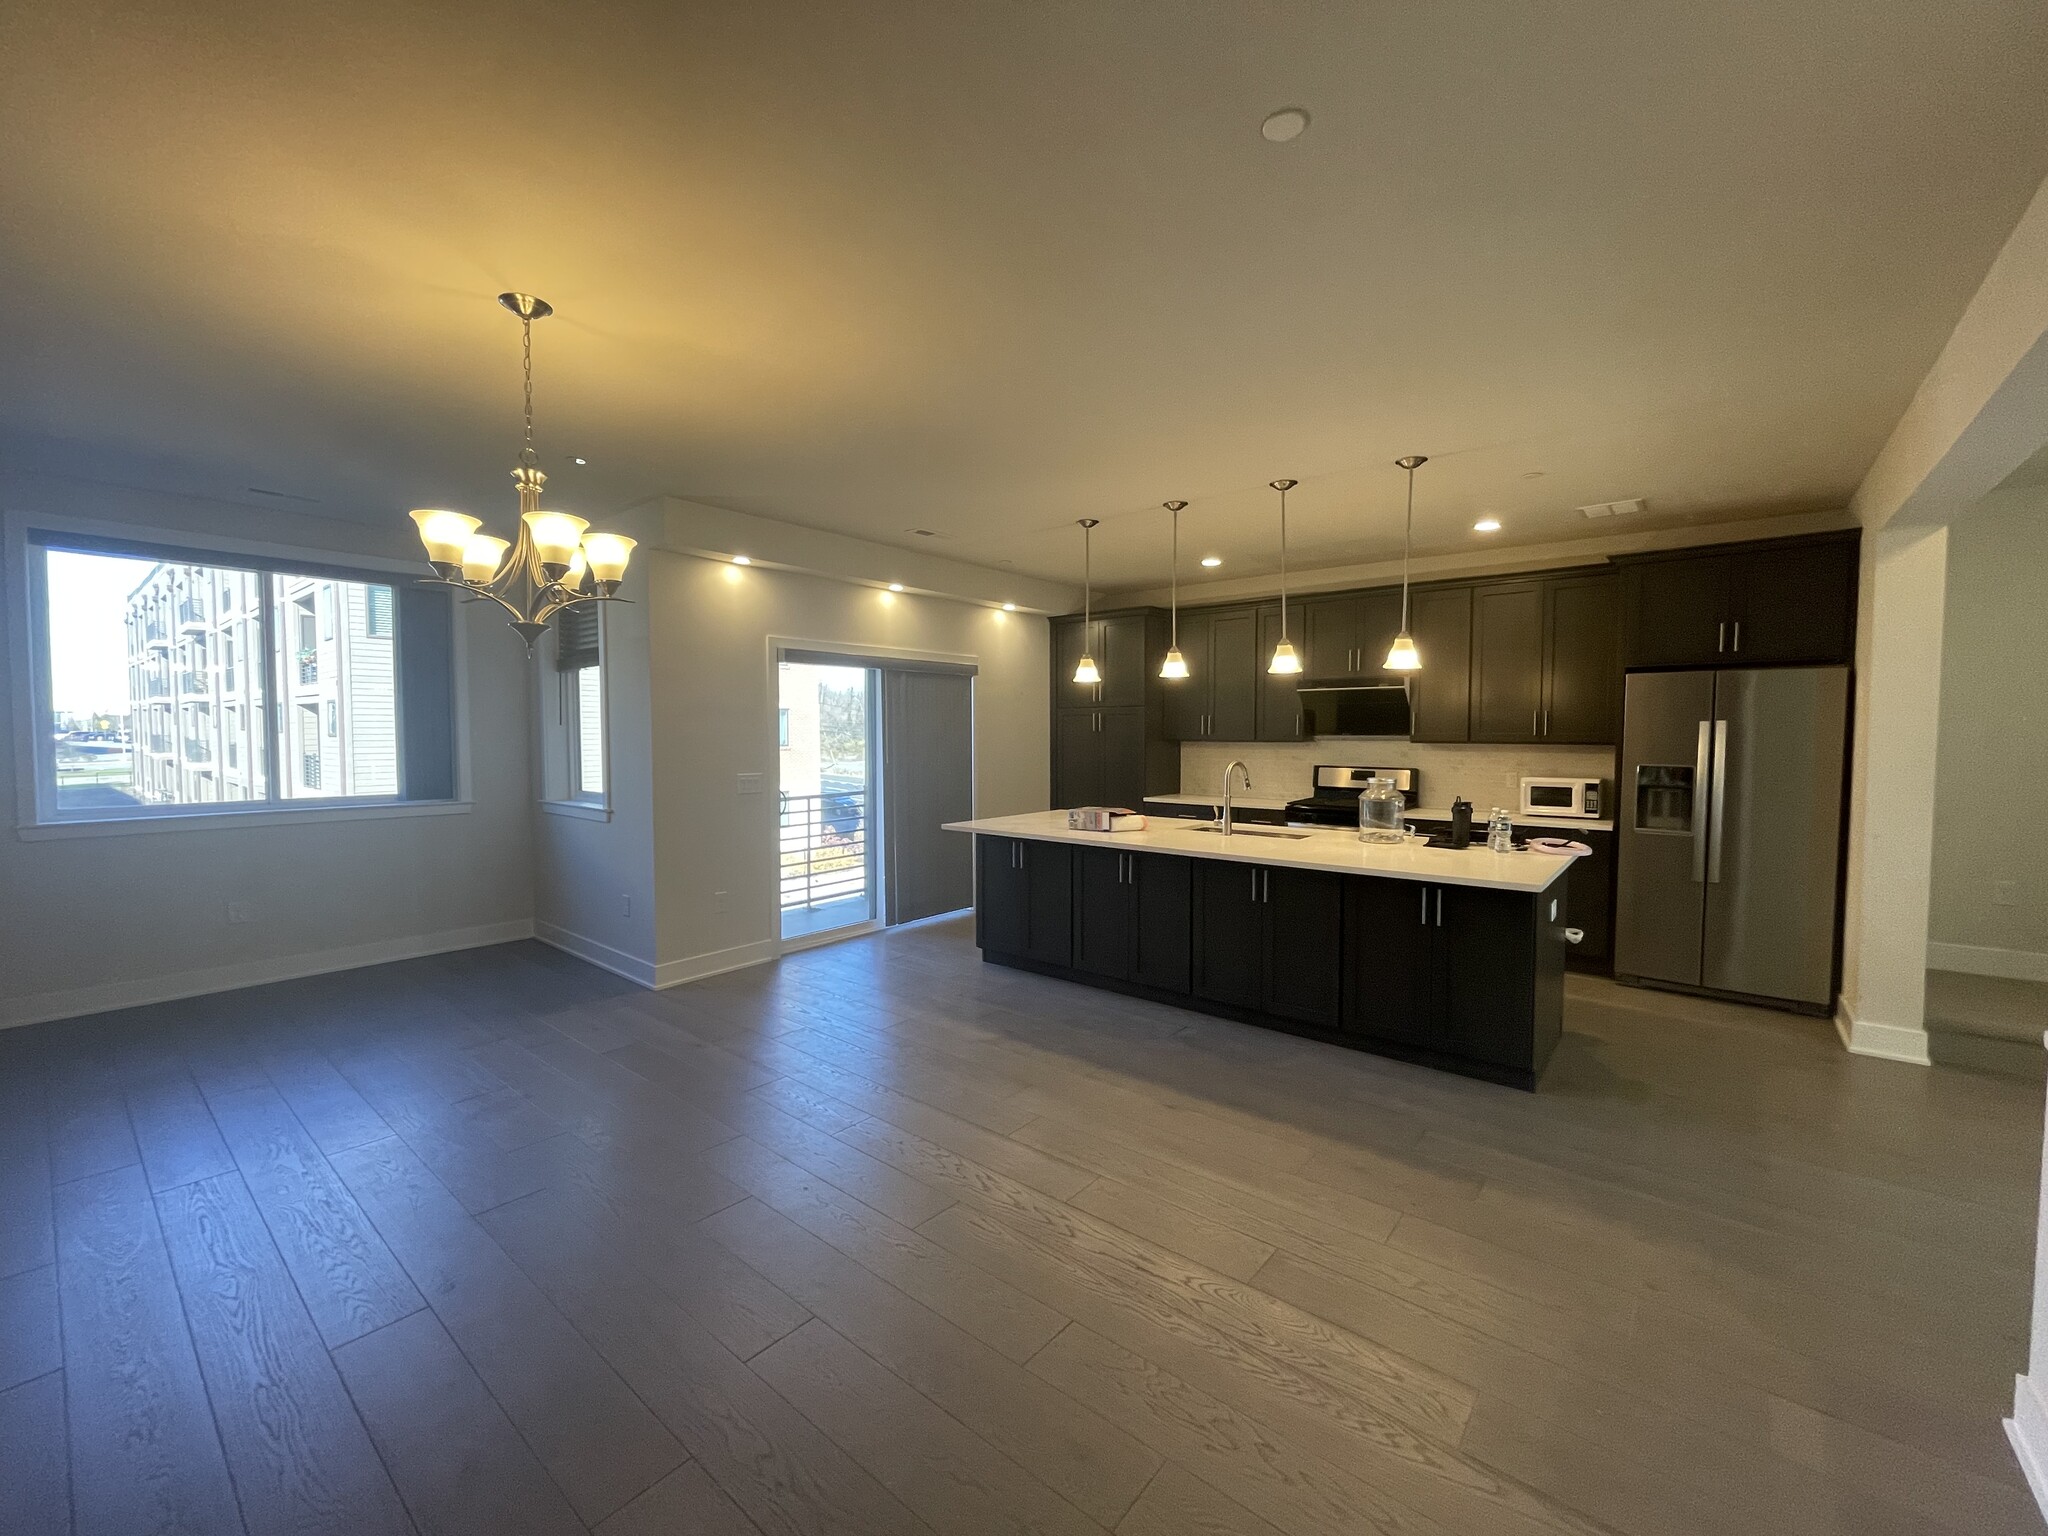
{"x":1382,"y":813}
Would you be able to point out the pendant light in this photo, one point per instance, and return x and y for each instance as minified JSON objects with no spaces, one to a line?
{"x":1284,"y":659}
{"x":1402,"y":655}
{"x":1175,"y":665}
{"x":1087,"y":671}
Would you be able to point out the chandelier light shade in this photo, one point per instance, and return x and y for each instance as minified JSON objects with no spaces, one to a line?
{"x":1175,"y":667}
{"x":557,"y":562}
{"x":1284,"y":658}
{"x":1402,"y":655}
{"x":1086,"y":671}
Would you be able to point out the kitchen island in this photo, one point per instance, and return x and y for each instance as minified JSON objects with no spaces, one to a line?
{"x":1449,"y":957}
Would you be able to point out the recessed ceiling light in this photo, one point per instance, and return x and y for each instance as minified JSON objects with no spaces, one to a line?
{"x":742,"y":560}
{"x":1009,"y":607}
{"x":1287,"y":123}
{"x":1212,"y":561}
{"x":895,"y":586}
{"x":1487,"y":525}
{"x":579,"y":461}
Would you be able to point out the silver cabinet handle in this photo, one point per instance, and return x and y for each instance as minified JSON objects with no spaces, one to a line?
{"x":1535,"y":715}
{"x":1721,"y":636}
{"x":1439,"y":906}
{"x":1266,"y":885}
{"x":1424,"y":919}
{"x":1546,"y":722}
{"x":1738,"y":636}
{"x":1720,"y":806}
{"x":1255,"y":885}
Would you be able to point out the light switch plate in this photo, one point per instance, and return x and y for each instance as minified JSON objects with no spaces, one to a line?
{"x":750,"y":783}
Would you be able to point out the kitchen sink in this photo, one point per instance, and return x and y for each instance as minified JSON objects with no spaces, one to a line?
{"x":1252,"y":832}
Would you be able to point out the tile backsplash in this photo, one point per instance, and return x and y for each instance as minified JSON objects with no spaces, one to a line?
{"x":1485,"y":775}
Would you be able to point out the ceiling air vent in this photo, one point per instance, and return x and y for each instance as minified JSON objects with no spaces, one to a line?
{"x":1614,"y":508}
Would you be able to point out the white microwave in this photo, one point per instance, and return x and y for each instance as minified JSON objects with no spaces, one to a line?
{"x":1564,"y":797}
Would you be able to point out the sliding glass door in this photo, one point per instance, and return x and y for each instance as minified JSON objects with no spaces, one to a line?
{"x":827,"y":719}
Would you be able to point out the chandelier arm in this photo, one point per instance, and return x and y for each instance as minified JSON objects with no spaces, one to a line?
{"x":476,"y":594}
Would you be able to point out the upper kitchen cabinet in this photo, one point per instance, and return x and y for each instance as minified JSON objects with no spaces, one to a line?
{"x":1347,"y":637}
{"x":1122,"y":645}
{"x":1545,"y":663}
{"x":1280,"y":716}
{"x":1440,"y":695}
{"x":1790,"y":601}
{"x":1218,"y":699}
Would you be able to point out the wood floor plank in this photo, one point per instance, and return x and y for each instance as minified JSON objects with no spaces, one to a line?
{"x":789,"y":1478}
{"x":1178,"y":1503}
{"x":144,"y":1452}
{"x":597,"y":1439}
{"x":175,"y":1131}
{"x":88,"y":1116}
{"x":30,"y":1345}
{"x":27,"y":1235}
{"x":299,"y":1455}
{"x":1188,"y":1233}
{"x":351,"y":1283}
{"x":1001,"y":1316}
{"x":1088,"y":1460}
{"x":457,"y":1460}
{"x":333,"y":1113}
{"x":685,"y":1503}
{"x":35,"y":1491}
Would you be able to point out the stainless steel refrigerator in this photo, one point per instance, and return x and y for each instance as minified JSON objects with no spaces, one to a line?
{"x":1730,"y":831}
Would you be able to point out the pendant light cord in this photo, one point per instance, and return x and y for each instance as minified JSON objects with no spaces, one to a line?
{"x":526,"y":454}
{"x":1174,"y":576}
{"x":1283,"y":565}
{"x":1407,"y":542}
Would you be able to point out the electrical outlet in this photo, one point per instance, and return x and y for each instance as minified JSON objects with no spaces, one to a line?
{"x":239,"y":912}
{"x":718,"y":901}
{"x":2005,"y":893}
{"x":750,"y":784}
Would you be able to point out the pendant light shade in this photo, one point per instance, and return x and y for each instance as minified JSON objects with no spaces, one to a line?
{"x":1402,"y":656}
{"x":1175,"y":667}
{"x":1284,"y":659}
{"x":1086,"y":672}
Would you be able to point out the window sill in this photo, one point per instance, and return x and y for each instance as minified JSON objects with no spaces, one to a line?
{"x":214,"y":821}
{"x":581,"y":810}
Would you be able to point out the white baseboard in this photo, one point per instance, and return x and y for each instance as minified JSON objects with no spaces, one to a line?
{"x":673,"y":973}
{"x":1892,"y":1042}
{"x":1983,"y":960}
{"x":604,"y":956}
{"x":43,"y":1006}
{"x":2027,"y":1429}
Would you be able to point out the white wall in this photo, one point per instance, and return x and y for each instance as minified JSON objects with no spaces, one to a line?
{"x":1989,"y":826}
{"x":91,"y":922}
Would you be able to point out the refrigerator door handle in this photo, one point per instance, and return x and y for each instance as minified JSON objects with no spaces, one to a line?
{"x":1702,"y":767}
{"x":1720,"y":804}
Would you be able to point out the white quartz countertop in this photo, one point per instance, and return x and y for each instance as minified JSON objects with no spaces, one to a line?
{"x":1337,"y":852}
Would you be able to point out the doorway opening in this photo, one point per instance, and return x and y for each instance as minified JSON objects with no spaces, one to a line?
{"x":828,"y":751}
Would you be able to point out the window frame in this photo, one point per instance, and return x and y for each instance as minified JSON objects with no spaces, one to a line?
{"x":23,"y":566}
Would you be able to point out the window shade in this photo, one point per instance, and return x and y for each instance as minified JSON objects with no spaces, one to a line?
{"x":576,"y":638}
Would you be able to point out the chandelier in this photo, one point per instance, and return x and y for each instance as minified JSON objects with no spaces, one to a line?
{"x":557,"y":562}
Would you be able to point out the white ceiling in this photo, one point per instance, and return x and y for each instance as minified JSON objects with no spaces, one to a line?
{"x":984,"y":268}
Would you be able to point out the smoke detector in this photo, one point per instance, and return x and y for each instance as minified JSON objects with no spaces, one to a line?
{"x":1614,"y":508}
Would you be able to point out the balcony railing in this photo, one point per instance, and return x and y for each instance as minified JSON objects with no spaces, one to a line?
{"x":194,"y":683}
{"x":197,"y":751}
{"x":155,"y":688}
{"x":191,"y":614}
{"x":824,"y":847}
{"x":309,"y":669}
{"x":309,"y":769}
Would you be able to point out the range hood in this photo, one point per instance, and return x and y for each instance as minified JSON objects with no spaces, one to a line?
{"x":1355,"y":709}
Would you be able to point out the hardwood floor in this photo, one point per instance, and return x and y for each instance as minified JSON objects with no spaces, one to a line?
{"x":881,"y":1239}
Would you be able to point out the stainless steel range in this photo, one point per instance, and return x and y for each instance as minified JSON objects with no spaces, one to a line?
{"x":1337,"y":786}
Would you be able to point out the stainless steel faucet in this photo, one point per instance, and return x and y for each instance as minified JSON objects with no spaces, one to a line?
{"x":1236,"y":766}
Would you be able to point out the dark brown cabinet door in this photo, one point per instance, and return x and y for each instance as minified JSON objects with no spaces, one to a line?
{"x":1076,"y":758}
{"x":1162,"y":887}
{"x":1304,"y":920}
{"x":1794,"y":605}
{"x":1049,"y":895}
{"x":1582,"y":661}
{"x":1002,"y":909}
{"x":1379,"y":620}
{"x":1677,"y":612}
{"x":1328,"y":638}
{"x":1441,"y":693}
{"x":1486,"y":957}
{"x":1120,"y":741}
{"x":1507,"y":662}
{"x":1102,"y":912}
{"x":1234,"y":673}
{"x":1187,"y":698}
{"x":1229,"y":963}
{"x":1390,"y":961}
{"x":1122,"y":658}
{"x":1279,"y":706}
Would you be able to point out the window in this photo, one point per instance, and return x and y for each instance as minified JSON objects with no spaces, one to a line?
{"x":587,"y":759}
{"x":122,"y":643}
{"x":574,"y":739}
{"x":782,"y":729}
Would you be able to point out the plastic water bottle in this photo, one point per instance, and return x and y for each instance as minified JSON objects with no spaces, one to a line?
{"x":1500,"y":831}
